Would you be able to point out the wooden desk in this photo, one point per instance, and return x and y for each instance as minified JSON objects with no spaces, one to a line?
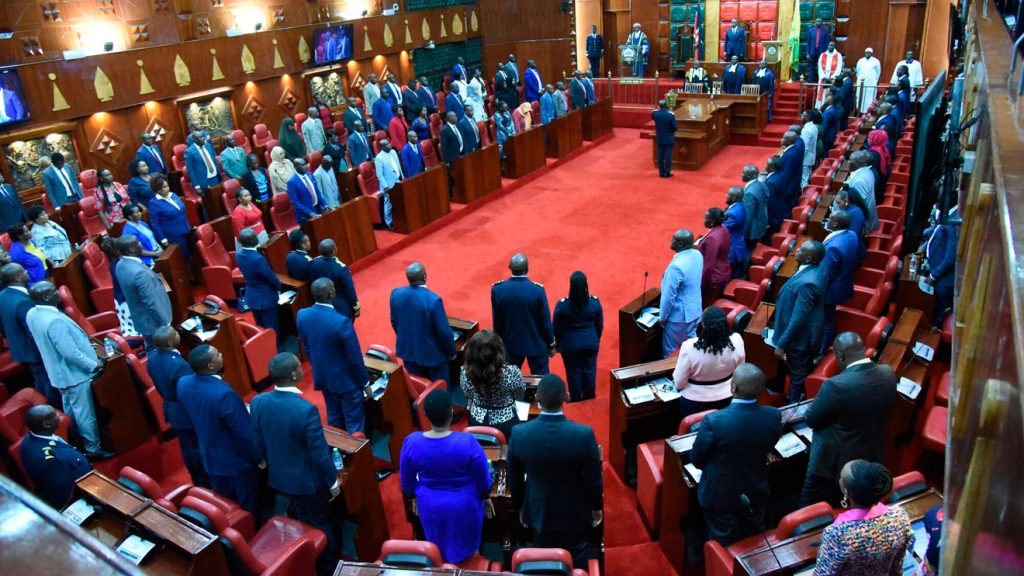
{"x":276,"y":250}
{"x":748,"y":113}
{"x":842,"y":174}
{"x":637,"y":343}
{"x":629,"y":424}
{"x":464,"y":331}
{"x":394,"y":406}
{"x":119,"y":413}
{"x":348,"y":185}
{"x":758,"y":352}
{"x":789,"y":266}
{"x":358,"y":483}
{"x":704,"y":129}
{"x":524,"y":153}
{"x":679,"y":488}
{"x":171,"y":265}
{"x":564,"y":134}
{"x":358,"y":228}
{"x":818,"y":219}
{"x":182,"y":547}
{"x":420,"y":200}
{"x":801,"y":551}
{"x":476,"y":174}
{"x":227,"y":340}
{"x":597,"y":119}
{"x":67,"y":217}
{"x":71,"y":274}
{"x":909,"y":295}
{"x":288,"y":313}
{"x":213,"y":204}
{"x":364,"y":569}
{"x":328,"y":226}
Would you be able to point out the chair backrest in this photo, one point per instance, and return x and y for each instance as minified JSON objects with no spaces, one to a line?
{"x":487,"y":436}
{"x":299,"y":119}
{"x":213,"y":513}
{"x":216,"y":300}
{"x":187,"y":190}
{"x":750,"y":89}
{"x":178,"y":157}
{"x":435,"y":125}
{"x":269,"y":146}
{"x":325,"y":116}
{"x":229,"y":193}
{"x":418,"y":404}
{"x":367,"y":179}
{"x":88,"y":179}
{"x":260,"y":135}
{"x":97,"y":270}
{"x":906,"y":485}
{"x":806,"y":519}
{"x":88,"y":215}
{"x":410,"y":554}
{"x":542,"y":561}
{"x":241,"y":141}
{"x":377,"y":137}
{"x":282,"y":213}
{"x":872,"y":329}
{"x":259,"y":345}
{"x":68,"y":304}
{"x":12,"y":413}
{"x":211,"y":250}
{"x":140,"y":483}
{"x":314,"y":159}
{"x":429,"y":154}
{"x":686,"y":425}
{"x":485,"y":138}
{"x":240,"y":553}
{"x":383,"y":352}
{"x":415,"y":385}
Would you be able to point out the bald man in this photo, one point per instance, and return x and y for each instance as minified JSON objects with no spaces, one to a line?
{"x":793,"y":152}
{"x":680,"y":305}
{"x":800,"y":316}
{"x":521,"y":316}
{"x":52,"y":465}
{"x":423,"y":339}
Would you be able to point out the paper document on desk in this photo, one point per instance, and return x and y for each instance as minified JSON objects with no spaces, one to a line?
{"x":286,"y":297}
{"x":693,"y":471}
{"x":908,"y":388}
{"x":665,"y":389}
{"x":134,"y":549}
{"x":648,"y":317}
{"x":206,"y":335}
{"x":78,"y":512}
{"x":769,"y":336}
{"x":925,"y":351}
{"x":639,"y":395}
{"x":523,"y":410}
{"x":804,"y":431}
{"x":925,"y":286}
{"x":789,"y":445}
{"x":379,"y":387}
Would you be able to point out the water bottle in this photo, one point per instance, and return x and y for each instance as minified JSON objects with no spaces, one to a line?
{"x":339,"y":462}
{"x":913,"y":267}
{"x":109,"y":347}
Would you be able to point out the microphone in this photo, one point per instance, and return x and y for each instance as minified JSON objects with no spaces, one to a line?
{"x":644,"y":291}
{"x":746,"y":504}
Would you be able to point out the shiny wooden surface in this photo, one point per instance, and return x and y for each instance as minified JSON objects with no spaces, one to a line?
{"x":704,"y":129}
{"x":597,"y":119}
{"x":638,"y":344}
{"x":564,"y":135}
{"x":359,"y":488}
{"x":328,"y":226}
{"x":395,"y":405}
{"x":524,"y":152}
{"x":119,"y":406}
{"x":475,"y":175}
{"x":629,"y":425}
{"x":358,"y":228}
{"x":171,"y":265}
{"x":420,"y":200}
{"x":759,"y":353}
{"x":464,"y":330}
{"x":227,"y":340}
{"x":346,"y":568}
{"x":276,"y":250}
{"x":908,"y":294}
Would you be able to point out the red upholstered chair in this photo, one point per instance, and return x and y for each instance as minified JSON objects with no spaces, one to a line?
{"x":12,"y":415}
{"x":153,"y":398}
{"x":325,"y":116}
{"x":280,"y":542}
{"x":780,"y":246}
{"x":807,"y":519}
{"x":440,"y":96}
{"x":871,"y":300}
{"x":377,"y":137}
{"x":282,"y":213}
{"x":435,"y":125}
{"x":418,"y":554}
{"x":487,"y":436}
{"x":271,"y":144}
{"x":229,"y":193}
{"x":825,"y":369}
{"x":746,"y":294}
{"x":933,"y":435}
{"x":220,"y":274}
{"x":260,"y":136}
{"x":942,"y":390}
{"x":314,"y":159}
{"x":429,"y":154}
{"x":767,"y":11}
{"x":418,"y":404}
{"x":145,"y":485}
{"x":188,"y":191}
{"x":370,"y":187}
{"x":88,"y":179}
{"x":756,"y":274}
{"x":101,"y":325}
{"x":178,"y":157}
{"x":259,"y":345}
{"x":299,"y":119}
{"x":339,"y":127}
{"x":242,"y":141}
{"x":97,"y":270}
{"x":906,"y":485}
{"x":485,"y":135}
{"x":717,"y":560}
{"x":88,"y":215}
{"x":5,"y":240}
{"x":549,"y":561}
{"x":874,"y":277}
{"x":216,"y":300}
{"x":872,"y":329}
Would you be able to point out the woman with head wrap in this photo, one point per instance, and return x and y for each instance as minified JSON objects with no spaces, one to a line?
{"x":475,"y":100}
{"x":289,"y":140}
{"x":281,"y":170}
{"x":878,"y":142}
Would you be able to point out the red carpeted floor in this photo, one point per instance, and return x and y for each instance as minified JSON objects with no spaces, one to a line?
{"x":604,"y":212}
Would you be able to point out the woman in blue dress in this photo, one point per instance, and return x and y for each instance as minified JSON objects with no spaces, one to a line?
{"x":447,"y":475}
{"x":136,"y":226}
{"x":138,"y":187}
{"x":167,"y":217}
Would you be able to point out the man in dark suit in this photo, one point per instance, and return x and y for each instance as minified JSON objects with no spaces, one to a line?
{"x":14,"y":306}
{"x":11,"y":210}
{"x":151,"y":154}
{"x":577,"y":91}
{"x":339,"y":372}
{"x":143,"y":290}
{"x":735,"y":42}
{"x":412,"y":155}
{"x":358,"y":145}
{"x":303,"y":191}
{"x":261,"y":283}
{"x":595,"y":50}
{"x":423,"y":339}
{"x":554,"y":475}
{"x":452,"y":141}
{"x":830,"y":122}
{"x":201,"y":163}
{"x":849,"y":417}
{"x":842,"y":250}
{"x":290,"y":438}
{"x":665,"y":126}
{"x":521,"y":316}
{"x":792,"y":164}
{"x":731,"y":449}
{"x":299,"y":261}
{"x":52,"y":465}
{"x":775,"y":182}
{"x":427,"y":96}
{"x":734,"y":77}
{"x":61,"y":182}
{"x":886,"y":118}
{"x":453,"y":102}
{"x":166,"y":368}
{"x":765,"y":79}
{"x":818,"y":38}
{"x":327,"y":265}
{"x":800,"y":316}
{"x":353,"y":114}
{"x":845,"y":94}
{"x":412,"y":101}
{"x":755,"y":199}
{"x":222,"y":424}
{"x":940,"y":252}
{"x":470,"y":132}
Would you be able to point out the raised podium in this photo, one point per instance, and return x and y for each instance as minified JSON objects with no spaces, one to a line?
{"x":420,"y":200}
{"x":524,"y":152}
{"x":638,"y":343}
{"x":476,"y":174}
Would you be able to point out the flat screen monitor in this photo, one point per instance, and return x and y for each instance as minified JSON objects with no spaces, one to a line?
{"x":332,"y":44}
{"x":13,"y":106}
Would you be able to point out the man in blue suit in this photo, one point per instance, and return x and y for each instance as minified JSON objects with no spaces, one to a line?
{"x":842,"y":250}
{"x":830,"y":123}
{"x":451,"y":139}
{"x":327,"y":265}
{"x":61,"y":182}
{"x":14,"y":306}
{"x":261,"y":283}
{"x":52,"y":465}
{"x":547,"y":105}
{"x":453,"y":102}
{"x":512,"y":69}
{"x":304,"y":193}
{"x":735,"y":76}
{"x":755,"y":200}
{"x":845,"y":94}
{"x":800,"y":315}
{"x":532,"y":84}
{"x":736,"y":224}
{"x":765,"y":79}
{"x":222,"y":424}
{"x":459,"y":70}
{"x":299,"y":261}
{"x":151,"y":154}
{"x":778,"y":210}
{"x":735,"y":44}
{"x":427,"y":96}
{"x":470,"y":132}
{"x":665,"y":126}
{"x":588,"y":83}
{"x":595,"y":50}
{"x":940,"y":251}
{"x":358,"y":145}
{"x":521,"y":316}
{"x":339,"y":371}
{"x":792,"y":164}
{"x":680,"y":306}
{"x":11,"y":210}
{"x":290,"y":438}
{"x":424,"y":340}
{"x":382,"y":112}
{"x":201,"y":163}
{"x":731,"y":450}
{"x":166,"y":368}
{"x":818,"y":38}
{"x":412,"y":155}
{"x":886,"y":118}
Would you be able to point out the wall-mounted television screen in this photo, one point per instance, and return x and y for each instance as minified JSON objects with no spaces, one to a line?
{"x":13,"y":107}
{"x":332,"y":44}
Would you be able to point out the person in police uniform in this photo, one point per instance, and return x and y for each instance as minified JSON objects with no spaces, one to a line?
{"x":423,"y":339}
{"x":299,"y":261}
{"x":578,"y":323}
{"x":327,"y":265}
{"x":52,"y":465}
{"x":521,"y":316}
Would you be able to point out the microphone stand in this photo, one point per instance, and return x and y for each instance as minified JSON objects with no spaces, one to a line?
{"x":750,"y":510}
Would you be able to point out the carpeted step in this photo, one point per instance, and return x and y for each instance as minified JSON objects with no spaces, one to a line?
{"x":646,"y":559}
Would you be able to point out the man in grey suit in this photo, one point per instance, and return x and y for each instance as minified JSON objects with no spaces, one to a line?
{"x":61,"y":182}
{"x":755,"y":199}
{"x":70,"y":361}
{"x":800,"y":316}
{"x":849,"y":417}
{"x":143,"y":291}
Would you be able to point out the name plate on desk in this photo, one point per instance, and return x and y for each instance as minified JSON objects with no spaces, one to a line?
{"x":135,"y":549}
{"x":908,"y":388}
{"x":78,"y":512}
{"x":924,"y":351}
{"x":639,"y":395}
{"x":789,"y":445}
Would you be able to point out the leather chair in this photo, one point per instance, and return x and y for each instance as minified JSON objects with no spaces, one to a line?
{"x":370,"y":188}
{"x":259,"y":345}
{"x":429,"y":154}
{"x":550,"y":561}
{"x":375,"y":141}
{"x":101,"y":325}
{"x":145,"y":485}
{"x":440,"y":96}
{"x":872,"y":329}
{"x":97,"y":270}
{"x":781,"y":244}
{"x":933,"y":435}
{"x":417,"y":405}
{"x":12,"y":415}
{"x":905,"y":486}
{"x":153,"y":398}
{"x":178,"y":157}
{"x":418,"y":554}
{"x":313,"y":159}
{"x":436,"y":124}
{"x":88,"y":216}
{"x":89,"y":180}
{"x":241,"y":141}
{"x":271,"y":144}
{"x":487,"y":436}
{"x":874,"y":277}
{"x":827,"y":368}
{"x":870,"y":300}
{"x":942,"y":390}
{"x":728,"y":11}
{"x":220,"y":274}
{"x":325,"y":116}
{"x":746,"y":294}
{"x":300,"y":118}
{"x":485,"y":137}
{"x":229,"y":193}
{"x":282,"y":213}
{"x":282,"y":546}
{"x":260,"y":136}
{"x":650,"y":459}
{"x":188,"y":191}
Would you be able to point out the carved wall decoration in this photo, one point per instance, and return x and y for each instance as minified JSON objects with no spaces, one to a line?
{"x":30,"y":46}
{"x":181,"y":74}
{"x":139,"y":33}
{"x":248,"y":60}
{"x":444,"y":33}
{"x":389,"y":38}
{"x":202,"y":25}
{"x":161,"y":5}
{"x":104,"y":88}
{"x":367,"y":47}
{"x":425,"y":29}
{"x":214,"y":115}
{"x":217,"y":73}
{"x":51,"y":11}
{"x":408,"y":34}
{"x":288,"y":101}
{"x":23,"y":157}
{"x":474,"y":24}
{"x":59,"y":103}
{"x":278,"y":61}
{"x":144,"y":86}
{"x":304,"y":55}
{"x":106,"y":7}
{"x":107,"y":146}
{"x":278,"y":15}
{"x":159,"y":130}
{"x":457,"y":25}
{"x":328,"y":89}
{"x":216,"y":3}
{"x":357,"y":82}
{"x":253,"y":108}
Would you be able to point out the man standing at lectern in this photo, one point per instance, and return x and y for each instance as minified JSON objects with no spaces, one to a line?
{"x":638,"y":40}
{"x":595,"y":49}
{"x":735,"y":41}
{"x":680,"y":306}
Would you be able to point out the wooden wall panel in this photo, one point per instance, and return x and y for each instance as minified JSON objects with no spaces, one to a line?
{"x":904,"y":32}
{"x":552,"y":56}
{"x":865,"y":27}
{"x":514,"y":20}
